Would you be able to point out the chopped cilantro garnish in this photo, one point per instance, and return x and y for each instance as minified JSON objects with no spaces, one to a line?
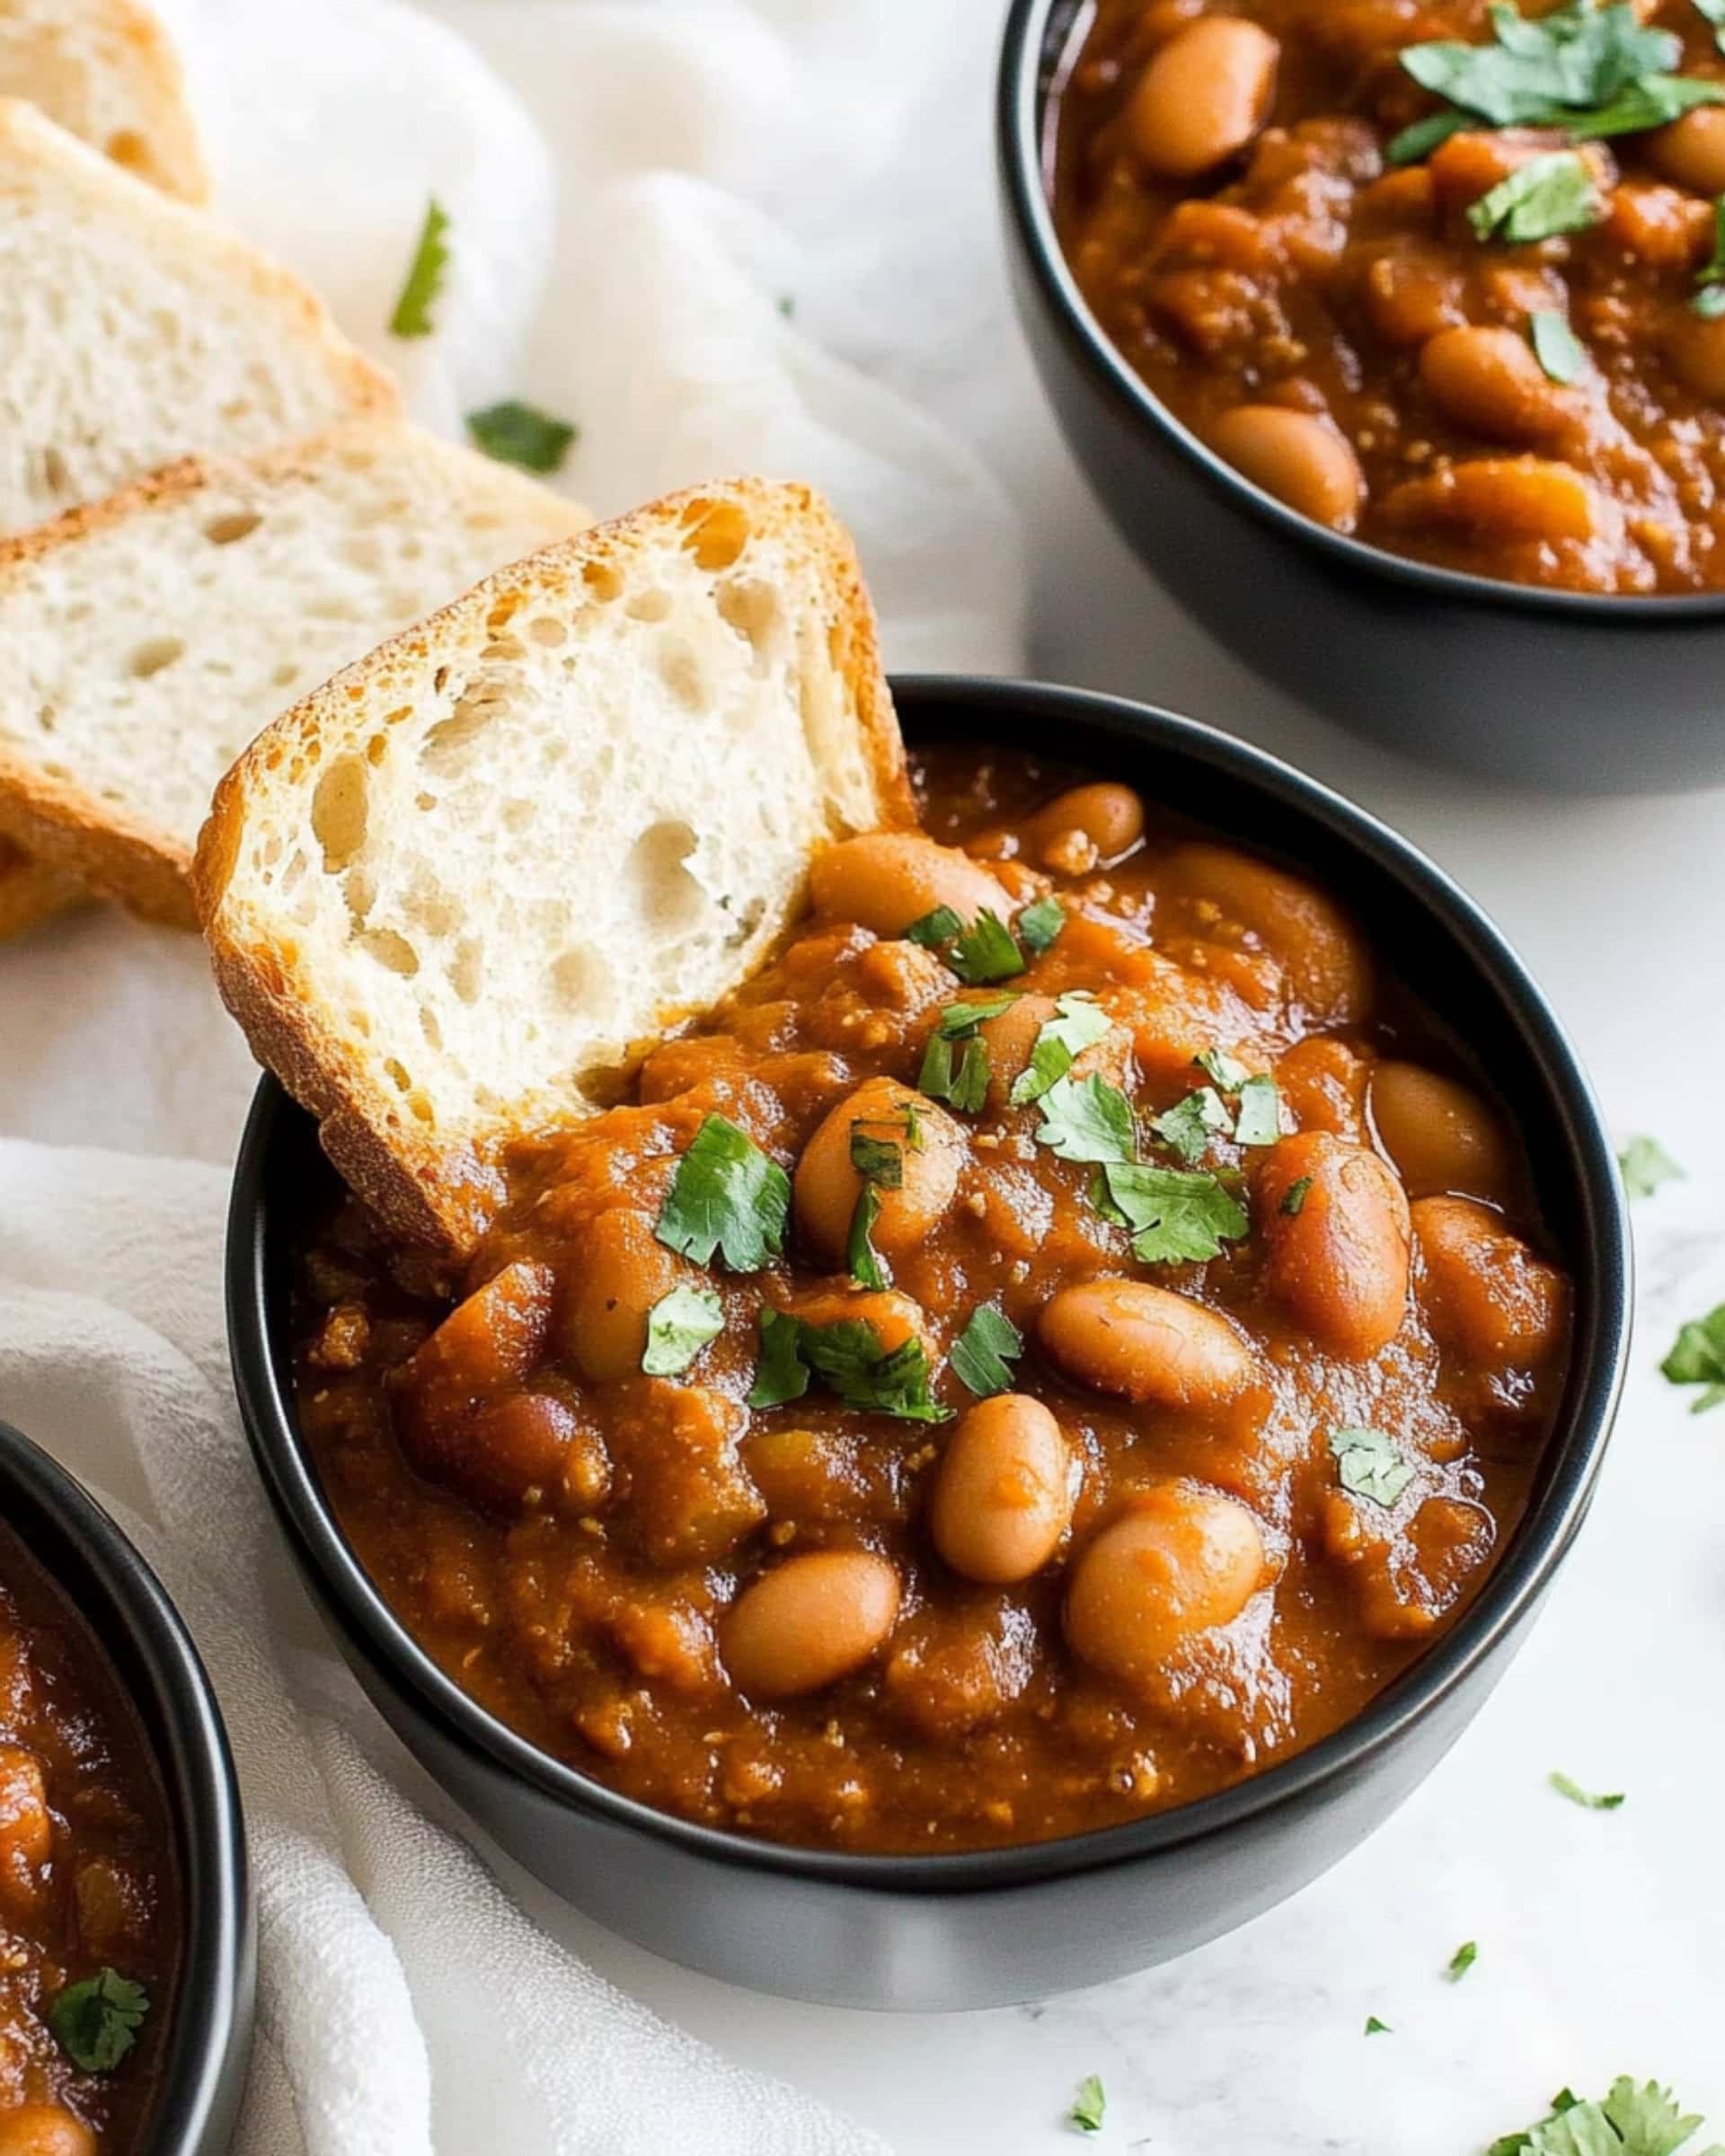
{"x":958,"y":1022}
{"x":1369,"y":1464}
{"x":1566,"y":1787}
{"x":1551,"y":193}
{"x":1079,"y":1023}
{"x":1709,"y":300}
{"x":1628,"y":2121}
{"x":962,"y":1081}
{"x":1646,"y":1164}
{"x":95,"y":2022}
{"x":1697,"y":1358}
{"x":849,"y":1356}
{"x":1375,"y":2028}
{"x":425,"y":274}
{"x":985,"y":951}
{"x":1713,"y":12}
{"x":781,"y":1375}
{"x":1222,"y":1070}
{"x":1087,"y":1119}
{"x":1584,"y":69}
{"x":1557,"y":347}
{"x":514,"y":433}
{"x":931,"y":930}
{"x":1041,"y":922}
{"x":984,"y":1353}
{"x":878,"y":1161}
{"x":1187,"y":1128}
{"x":1461,"y":1960}
{"x":678,"y":1327}
{"x":1089,"y":2106}
{"x":1259,"y":1120}
{"x":865,"y":1263}
{"x":1294,"y":1196}
{"x":1176,"y":1215}
{"x":728,"y":1197}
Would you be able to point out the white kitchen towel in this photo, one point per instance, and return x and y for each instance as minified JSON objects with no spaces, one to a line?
{"x":656,"y":228}
{"x":405,"y":2003}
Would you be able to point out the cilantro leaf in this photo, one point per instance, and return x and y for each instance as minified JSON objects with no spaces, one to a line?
{"x":1644,"y":1161}
{"x":1577,"y":55}
{"x":780,"y":1374}
{"x":1369,"y":1464}
{"x":1087,"y":1119}
{"x":1461,"y":1960}
{"x":425,"y":275}
{"x":514,"y":433}
{"x":931,"y":930}
{"x":95,"y":2022}
{"x":985,"y":951}
{"x":878,"y":1161}
{"x":1713,"y":12}
{"x":1222,"y":1070}
{"x":1709,"y":301}
{"x":1176,"y":1215}
{"x":865,"y":1263}
{"x":1039,"y":924}
{"x":1551,"y":193}
{"x":1293,"y":1198}
{"x":1627,"y":2121}
{"x":1557,"y":347}
{"x":1375,"y":2028}
{"x":964,"y":1084}
{"x":1089,"y":2106}
{"x":1079,"y":1023}
{"x":1259,"y":1120}
{"x":848,"y":1358}
{"x":1187,"y":1128}
{"x":726,"y":1195}
{"x":984,"y":1353}
{"x":958,"y":1022}
{"x":1697,"y":1358}
{"x":678,"y":1327}
{"x":1566,"y":1787}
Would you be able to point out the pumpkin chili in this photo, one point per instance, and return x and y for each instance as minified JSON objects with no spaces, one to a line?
{"x":1058,"y":1340}
{"x":1443,"y":276}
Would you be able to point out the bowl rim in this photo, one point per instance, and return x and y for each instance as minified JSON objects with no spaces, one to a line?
{"x":1027,"y":55}
{"x":57,"y":1518}
{"x":1507,"y":1596}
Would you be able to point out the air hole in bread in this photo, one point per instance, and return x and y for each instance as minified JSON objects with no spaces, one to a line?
{"x":581,"y":979}
{"x":429,"y":1027}
{"x":715,"y":533}
{"x":752,"y":609}
{"x":377,"y":748}
{"x":239,"y":523}
{"x":391,"y":951}
{"x":126,"y":148}
{"x":285,"y":675}
{"x":649,"y":606}
{"x":681,"y":671}
{"x":665,"y":896}
{"x":448,"y":744}
{"x":338,"y":812}
{"x":57,"y":476}
{"x":602,"y":580}
{"x":547,"y":629}
{"x":468,"y":970}
{"x":47,"y":717}
{"x":517,"y":816}
{"x":397,"y":1074}
{"x":152,"y":655}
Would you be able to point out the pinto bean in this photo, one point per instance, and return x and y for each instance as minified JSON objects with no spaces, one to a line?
{"x":1338,"y":1263}
{"x":809,"y":1621}
{"x":1182,"y":1562}
{"x":1004,"y":1492}
{"x":1146,"y":1343}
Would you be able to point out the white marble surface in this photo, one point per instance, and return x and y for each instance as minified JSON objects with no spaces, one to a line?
{"x":1599,"y":1933}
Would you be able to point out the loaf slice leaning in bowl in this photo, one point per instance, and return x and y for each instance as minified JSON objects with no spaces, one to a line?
{"x":450,"y":894}
{"x":143,"y":640}
{"x":106,"y":71}
{"x":137,"y":329}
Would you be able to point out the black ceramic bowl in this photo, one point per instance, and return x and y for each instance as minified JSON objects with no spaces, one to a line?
{"x":202,"y":2070}
{"x":1002,"y":1925}
{"x":1557,"y":689}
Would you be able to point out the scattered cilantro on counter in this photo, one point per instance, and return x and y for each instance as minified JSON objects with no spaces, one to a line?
{"x":1461,"y":1960}
{"x":1375,"y":2028}
{"x":1576,"y":1794}
{"x":1697,"y":1358}
{"x":1629,"y":2121}
{"x":1646,"y":1164}
{"x":1089,"y":2106}
{"x":515,"y":433}
{"x":425,"y":274}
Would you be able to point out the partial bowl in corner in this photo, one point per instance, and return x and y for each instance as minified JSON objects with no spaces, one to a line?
{"x":995,"y":1925}
{"x":1568,"y":691}
{"x":90,"y":1600}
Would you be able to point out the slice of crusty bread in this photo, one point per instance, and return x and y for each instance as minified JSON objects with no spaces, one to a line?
{"x":145,"y":640}
{"x":136,"y":330}
{"x":106,"y":72}
{"x":453,"y":891}
{"x":28,"y":892}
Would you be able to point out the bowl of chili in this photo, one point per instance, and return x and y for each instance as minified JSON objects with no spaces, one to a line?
{"x":127,"y":2006}
{"x":880,"y":1925}
{"x":1447,"y":476}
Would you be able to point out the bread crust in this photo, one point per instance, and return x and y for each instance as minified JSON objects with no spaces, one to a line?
{"x":30,"y":892}
{"x":442,"y":1195}
{"x":106,"y":846}
{"x":122,"y":43}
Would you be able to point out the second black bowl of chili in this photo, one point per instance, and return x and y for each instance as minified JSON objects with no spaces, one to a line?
{"x":1023,"y":1434}
{"x":1394,"y":340}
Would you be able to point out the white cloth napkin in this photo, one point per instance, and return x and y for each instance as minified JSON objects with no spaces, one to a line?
{"x":655,"y":238}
